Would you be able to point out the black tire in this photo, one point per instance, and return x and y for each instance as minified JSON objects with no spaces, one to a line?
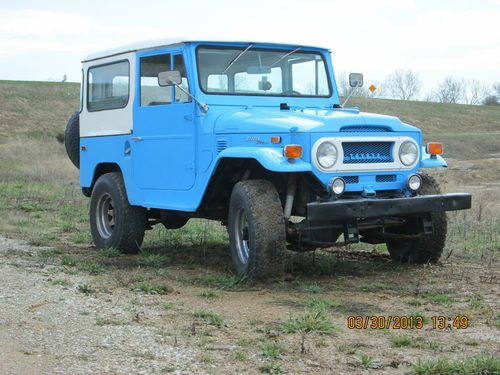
{"x":72,"y":139}
{"x":429,"y":248}
{"x":257,"y":202}
{"x":113,"y":221}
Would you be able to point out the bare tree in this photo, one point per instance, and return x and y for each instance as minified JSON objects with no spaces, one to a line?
{"x":345,"y":89}
{"x":403,"y":84}
{"x":491,"y":100}
{"x":450,"y":90}
{"x":496,"y":88}
{"x":473,"y":91}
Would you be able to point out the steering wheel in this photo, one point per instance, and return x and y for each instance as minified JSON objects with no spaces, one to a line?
{"x":293,"y":92}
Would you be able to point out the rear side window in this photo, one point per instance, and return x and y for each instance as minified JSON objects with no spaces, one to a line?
{"x":108,"y":86}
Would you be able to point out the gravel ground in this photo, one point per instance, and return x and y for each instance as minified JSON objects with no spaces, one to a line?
{"x":53,"y":329}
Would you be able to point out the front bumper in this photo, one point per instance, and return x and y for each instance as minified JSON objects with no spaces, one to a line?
{"x":343,"y":210}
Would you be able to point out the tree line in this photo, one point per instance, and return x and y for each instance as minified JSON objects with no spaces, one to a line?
{"x":406,"y":85}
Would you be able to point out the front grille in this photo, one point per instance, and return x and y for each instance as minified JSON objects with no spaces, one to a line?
{"x":363,"y":129}
{"x":367,"y":152}
{"x":386,"y":178}
{"x":351,"y":179}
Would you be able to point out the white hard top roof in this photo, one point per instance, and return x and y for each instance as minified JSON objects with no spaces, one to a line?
{"x":149,"y":44}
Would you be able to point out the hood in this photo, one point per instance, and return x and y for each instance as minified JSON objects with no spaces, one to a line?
{"x":274,"y":120}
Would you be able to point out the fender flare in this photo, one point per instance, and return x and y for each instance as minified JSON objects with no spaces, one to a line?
{"x":270,"y":158}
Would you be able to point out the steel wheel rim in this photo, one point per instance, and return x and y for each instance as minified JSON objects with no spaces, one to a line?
{"x":242,"y":236}
{"x":105,"y":216}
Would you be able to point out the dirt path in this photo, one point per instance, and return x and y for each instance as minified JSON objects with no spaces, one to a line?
{"x":50,"y":329}
{"x":58,"y":320}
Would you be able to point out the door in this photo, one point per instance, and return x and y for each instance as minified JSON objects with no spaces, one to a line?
{"x":163,"y":144}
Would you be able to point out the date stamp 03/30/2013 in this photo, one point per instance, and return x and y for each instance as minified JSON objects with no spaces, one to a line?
{"x":438,"y":322}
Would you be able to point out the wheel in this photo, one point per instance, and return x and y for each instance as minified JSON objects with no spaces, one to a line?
{"x":256,"y":229}
{"x":430,"y":247}
{"x":72,"y":139}
{"x":113,"y":221}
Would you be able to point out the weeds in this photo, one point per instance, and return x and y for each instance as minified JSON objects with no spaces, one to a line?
{"x":309,"y":321}
{"x":209,"y":317}
{"x":365,"y":361}
{"x":109,"y":252}
{"x":152,"y":288}
{"x":153,"y":260}
{"x":271,"y":368}
{"x":86,"y":289}
{"x":209,"y":294}
{"x":108,"y":321}
{"x":402,"y":341}
{"x":240,"y":356}
{"x":272,"y":349}
{"x":61,"y":282}
{"x":442,"y":299}
{"x":480,"y":365}
{"x":312,"y":288}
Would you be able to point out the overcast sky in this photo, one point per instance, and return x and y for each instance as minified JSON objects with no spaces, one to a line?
{"x":42,"y":40}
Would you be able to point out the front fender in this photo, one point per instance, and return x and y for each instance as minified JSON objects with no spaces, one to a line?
{"x":429,"y":161}
{"x":270,"y":158}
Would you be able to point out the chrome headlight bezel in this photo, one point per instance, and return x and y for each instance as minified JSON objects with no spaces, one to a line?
{"x":334,"y":155}
{"x":409,"y":148}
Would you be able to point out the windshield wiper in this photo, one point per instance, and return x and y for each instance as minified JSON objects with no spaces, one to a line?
{"x":285,"y":56}
{"x":236,"y":58}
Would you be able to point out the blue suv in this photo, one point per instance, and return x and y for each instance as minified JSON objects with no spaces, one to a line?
{"x":253,"y":135}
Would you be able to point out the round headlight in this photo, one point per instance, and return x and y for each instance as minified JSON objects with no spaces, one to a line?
{"x":414,"y":182}
{"x":337,"y":185}
{"x":408,"y":153}
{"x":327,"y":155}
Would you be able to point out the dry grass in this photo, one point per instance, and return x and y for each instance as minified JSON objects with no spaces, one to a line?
{"x":40,"y":201}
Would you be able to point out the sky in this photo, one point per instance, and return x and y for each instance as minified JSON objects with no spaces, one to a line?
{"x":44,"y":40}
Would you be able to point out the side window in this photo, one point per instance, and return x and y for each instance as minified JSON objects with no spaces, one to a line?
{"x":181,"y":97}
{"x":309,"y":78}
{"x":151,"y":92}
{"x":108,"y":86}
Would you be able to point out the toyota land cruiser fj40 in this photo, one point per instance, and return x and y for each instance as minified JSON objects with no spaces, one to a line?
{"x":253,"y":135}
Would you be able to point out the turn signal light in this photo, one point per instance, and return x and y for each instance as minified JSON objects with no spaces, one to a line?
{"x":275,"y":139}
{"x":293,"y":151}
{"x":435,"y":148}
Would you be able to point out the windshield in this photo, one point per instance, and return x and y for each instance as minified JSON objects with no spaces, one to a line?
{"x":266,"y":72}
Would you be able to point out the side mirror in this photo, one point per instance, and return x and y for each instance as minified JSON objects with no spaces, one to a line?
{"x":356,"y":80}
{"x":169,"y":78}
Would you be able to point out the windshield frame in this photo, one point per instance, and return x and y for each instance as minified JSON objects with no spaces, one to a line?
{"x":303,"y":50}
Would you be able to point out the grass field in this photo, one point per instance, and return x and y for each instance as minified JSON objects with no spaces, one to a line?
{"x":182,"y":282}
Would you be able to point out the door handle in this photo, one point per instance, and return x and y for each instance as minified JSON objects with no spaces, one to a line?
{"x":137,"y":139}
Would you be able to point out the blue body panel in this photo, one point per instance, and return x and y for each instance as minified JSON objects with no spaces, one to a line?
{"x":174,"y":150}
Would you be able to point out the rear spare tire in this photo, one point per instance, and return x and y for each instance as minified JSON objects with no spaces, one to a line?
{"x":72,"y":139}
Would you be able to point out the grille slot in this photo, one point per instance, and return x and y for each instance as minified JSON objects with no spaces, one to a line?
{"x":367,"y":152}
{"x":363,"y":129}
{"x":351,"y":179}
{"x":221,"y":145}
{"x":386,"y":178}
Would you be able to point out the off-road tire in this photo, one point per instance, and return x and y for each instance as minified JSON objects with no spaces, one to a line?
{"x":130,"y":222}
{"x":430,"y":247}
{"x":72,"y":138}
{"x":261,"y":204}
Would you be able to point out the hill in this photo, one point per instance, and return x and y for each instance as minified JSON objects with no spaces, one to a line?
{"x":41,"y":109}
